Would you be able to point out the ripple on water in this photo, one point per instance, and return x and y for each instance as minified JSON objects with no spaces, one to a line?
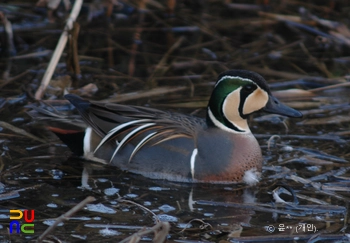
{"x":167,"y":218}
{"x":56,"y":174}
{"x":111,"y":191}
{"x":52,"y":205}
{"x":109,"y":232}
{"x":50,"y":222}
{"x":157,"y":188}
{"x":81,"y":237}
{"x":166,"y":208}
{"x":100,"y":208}
{"x":131,"y":195}
{"x":184,"y":225}
{"x":147,"y":203}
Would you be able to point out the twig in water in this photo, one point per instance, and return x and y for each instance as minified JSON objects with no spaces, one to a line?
{"x":271,"y":139}
{"x":139,"y":205}
{"x":203,"y":226}
{"x":160,"y":230}
{"x":72,"y":58}
{"x":20,"y":131}
{"x":65,"y":216}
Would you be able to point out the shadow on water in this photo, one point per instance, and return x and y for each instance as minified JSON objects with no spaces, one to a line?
{"x":304,"y":193}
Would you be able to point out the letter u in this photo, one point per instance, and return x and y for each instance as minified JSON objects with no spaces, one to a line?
{"x":26,"y":216}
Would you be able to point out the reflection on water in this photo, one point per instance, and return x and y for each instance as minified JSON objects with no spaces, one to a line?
{"x":305,"y":189}
{"x":43,"y":178}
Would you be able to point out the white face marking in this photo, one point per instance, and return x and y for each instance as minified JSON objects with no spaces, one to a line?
{"x":230,"y":111}
{"x":230,"y":107}
{"x":222,"y":126}
{"x":232,"y":77}
{"x":251,"y":177}
{"x":254,"y":102}
{"x":193,"y":161}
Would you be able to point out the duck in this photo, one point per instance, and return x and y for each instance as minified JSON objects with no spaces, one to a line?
{"x":217,"y":149}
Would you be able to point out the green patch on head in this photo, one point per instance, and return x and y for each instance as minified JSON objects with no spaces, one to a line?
{"x":224,"y":86}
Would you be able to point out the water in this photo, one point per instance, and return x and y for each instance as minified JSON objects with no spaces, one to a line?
{"x":305,"y":186}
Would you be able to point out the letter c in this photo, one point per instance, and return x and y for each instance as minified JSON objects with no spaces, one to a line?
{"x":27,"y":231}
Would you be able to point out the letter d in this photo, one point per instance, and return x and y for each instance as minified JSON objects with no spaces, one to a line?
{"x":20,"y":214}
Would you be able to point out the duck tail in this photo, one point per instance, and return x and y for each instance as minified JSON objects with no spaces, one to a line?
{"x":78,"y":102}
{"x":74,"y":139}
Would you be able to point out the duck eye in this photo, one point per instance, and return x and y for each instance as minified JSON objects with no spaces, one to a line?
{"x":248,"y":87}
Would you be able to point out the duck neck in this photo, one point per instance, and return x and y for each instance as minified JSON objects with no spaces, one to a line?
{"x":232,"y":124}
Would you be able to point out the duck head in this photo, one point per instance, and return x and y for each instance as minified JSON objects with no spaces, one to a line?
{"x":236,"y":95}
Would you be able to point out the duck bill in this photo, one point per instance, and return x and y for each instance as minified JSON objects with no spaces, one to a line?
{"x":276,"y":107}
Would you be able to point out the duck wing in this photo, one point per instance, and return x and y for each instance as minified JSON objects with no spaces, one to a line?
{"x":134,"y":124}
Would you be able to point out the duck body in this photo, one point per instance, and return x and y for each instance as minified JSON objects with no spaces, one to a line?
{"x":177,"y":147}
{"x":187,"y":159}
